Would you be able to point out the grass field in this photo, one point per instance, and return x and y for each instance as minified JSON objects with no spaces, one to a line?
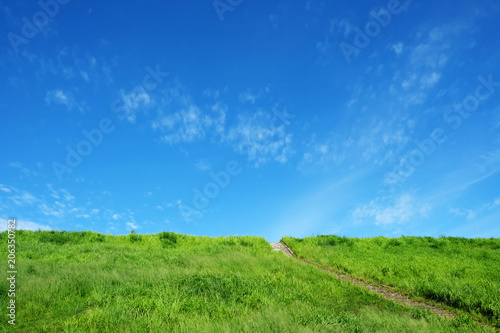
{"x":89,"y":282}
{"x":461,"y":273}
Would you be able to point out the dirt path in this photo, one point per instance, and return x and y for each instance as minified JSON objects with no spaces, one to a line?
{"x":283,"y":248}
{"x":385,"y":292}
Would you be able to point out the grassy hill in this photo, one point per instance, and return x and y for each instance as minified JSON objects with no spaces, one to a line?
{"x":458,"y":272}
{"x":89,"y":282}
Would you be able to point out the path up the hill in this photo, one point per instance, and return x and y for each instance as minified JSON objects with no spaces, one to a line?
{"x":382,"y":290}
{"x":282,"y":247}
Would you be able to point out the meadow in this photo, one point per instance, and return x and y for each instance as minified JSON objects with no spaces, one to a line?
{"x":167,"y":282}
{"x":459,"y":273}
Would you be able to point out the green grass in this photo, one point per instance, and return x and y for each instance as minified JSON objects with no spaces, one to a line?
{"x":88,"y":282}
{"x":461,"y":273}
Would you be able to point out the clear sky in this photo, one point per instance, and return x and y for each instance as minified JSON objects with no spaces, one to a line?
{"x":232,"y":117}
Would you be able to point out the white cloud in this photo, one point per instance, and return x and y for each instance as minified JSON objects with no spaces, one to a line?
{"x":23,"y":198}
{"x":409,"y":82}
{"x":55,"y":203}
{"x":258,"y":137}
{"x":60,"y":194}
{"x":415,"y":98}
{"x":261,"y":136}
{"x":496,"y":124}
{"x":62,"y":98}
{"x":429,"y":80}
{"x":472,"y":214}
{"x":323,"y":152}
{"x":23,"y":225}
{"x":373,"y":140}
{"x":57,"y":96}
{"x":429,"y":55}
{"x":188,"y":213}
{"x":219,"y":111}
{"x":4,"y":189}
{"x":435,"y":46}
{"x":340,"y":27}
{"x":495,"y":203}
{"x":59,"y":203}
{"x":186,"y":125}
{"x":403,"y":209}
{"x":85,"y":76}
{"x":247,"y":96}
{"x":384,"y":140}
{"x":491,"y":159}
{"x":50,"y":211}
{"x":203,"y":165}
{"x":212,"y":93}
{"x":469,"y":213}
{"x":135,"y":101}
{"x":132,"y":226}
{"x":24,"y":171}
{"x":338,"y":30}
{"x":398,"y":48}
{"x":180,"y":120}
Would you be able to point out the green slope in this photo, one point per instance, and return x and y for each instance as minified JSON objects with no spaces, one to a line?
{"x":88,"y":282}
{"x":461,"y":273}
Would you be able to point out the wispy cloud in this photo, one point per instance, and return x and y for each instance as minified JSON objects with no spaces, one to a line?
{"x":4,"y":189}
{"x":188,"y":213}
{"x":495,"y":203}
{"x":60,"y":194}
{"x":487,"y":166}
{"x":323,"y":153}
{"x":23,"y":225}
{"x":247,"y":96}
{"x":259,"y":134}
{"x":429,"y":80}
{"x":186,"y":125}
{"x":340,"y":27}
{"x":135,"y":101}
{"x":52,"y":205}
{"x":478,"y":211}
{"x":125,"y":219}
{"x":23,"y":198}
{"x":397,"y":48}
{"x":180,"y":120}
{"x":132,"y":226}
{"x":60,"y":97}
{"x":203,"y":165}
{"x":469,"y":213}
{"x":436,"y":45}
{"x":85,"y":75}
{"x":22,"y":169}
{"x":381,"y":211}
{"x":258,"y":137}
{"x":51,"y":211}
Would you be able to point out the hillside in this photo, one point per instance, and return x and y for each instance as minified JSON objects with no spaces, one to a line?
{"x":458,"y":273}
{"x":89,"y":282}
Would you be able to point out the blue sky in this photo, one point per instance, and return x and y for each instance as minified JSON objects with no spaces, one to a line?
{"x":263,"y":118}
